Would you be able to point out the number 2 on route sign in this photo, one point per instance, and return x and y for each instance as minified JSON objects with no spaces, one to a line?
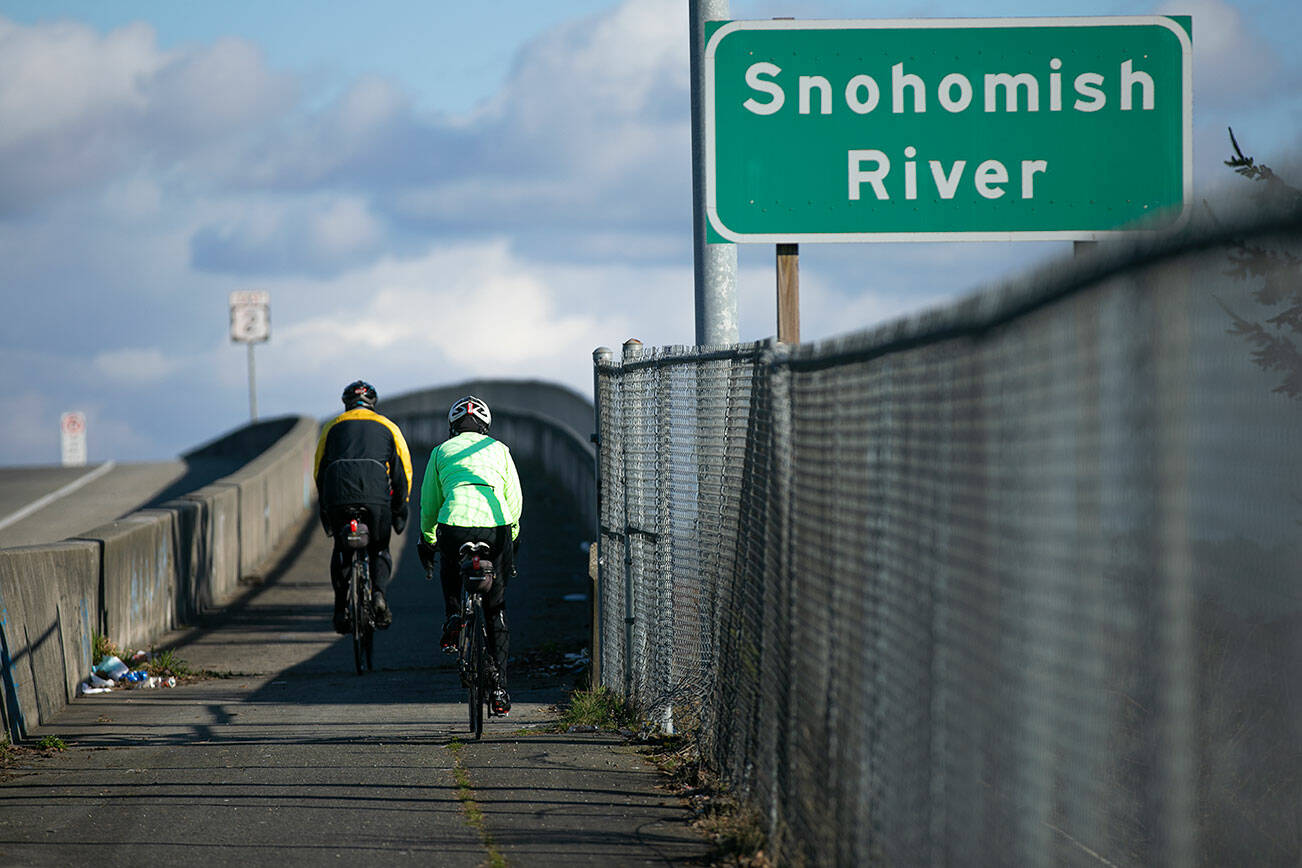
{"x":250,"y":316}
{"x":942,"y":130}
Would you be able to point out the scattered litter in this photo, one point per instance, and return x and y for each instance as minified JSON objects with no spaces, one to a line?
{"x":132,"y":679}
{"x":575,"y":598}
{"x":139,"y":657}
{"x":111,"y":667}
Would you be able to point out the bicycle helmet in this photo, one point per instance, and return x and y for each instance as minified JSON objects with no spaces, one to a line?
{"x":359,"y":393}
{"x":471,"y":407}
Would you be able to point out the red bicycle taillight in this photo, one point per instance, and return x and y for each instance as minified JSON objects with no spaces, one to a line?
{"x":474,"y":562}
{"x":352,"y":526}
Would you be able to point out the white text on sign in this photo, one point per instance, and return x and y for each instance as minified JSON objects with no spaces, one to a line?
{"x":954,"y":93}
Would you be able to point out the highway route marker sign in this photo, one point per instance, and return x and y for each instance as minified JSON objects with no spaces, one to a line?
{"x":250,"y":316}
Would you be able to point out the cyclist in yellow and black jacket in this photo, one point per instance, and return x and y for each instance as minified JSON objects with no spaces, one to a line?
{"x":362,"y":460}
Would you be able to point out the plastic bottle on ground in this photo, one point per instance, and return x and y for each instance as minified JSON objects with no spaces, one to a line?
{"x":111,"y":667}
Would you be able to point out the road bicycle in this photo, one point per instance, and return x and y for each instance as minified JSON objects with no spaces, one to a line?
{"x":356,"y":535}
{"x":474,"y":660}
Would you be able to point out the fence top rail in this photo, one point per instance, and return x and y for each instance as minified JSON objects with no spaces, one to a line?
{"x":652,"y":357}
{"x":987,"y":308}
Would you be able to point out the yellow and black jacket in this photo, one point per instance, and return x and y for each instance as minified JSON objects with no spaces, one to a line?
{"x":362,"y":458}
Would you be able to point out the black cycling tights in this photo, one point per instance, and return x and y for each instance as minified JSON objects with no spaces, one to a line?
{"x":450,"y":540}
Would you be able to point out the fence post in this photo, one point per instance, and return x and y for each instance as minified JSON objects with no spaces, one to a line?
{"x":632,"y":347}
{"x":600,"y":356}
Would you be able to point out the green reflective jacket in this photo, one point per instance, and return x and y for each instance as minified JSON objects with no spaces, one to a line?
{"x":470,"y":481}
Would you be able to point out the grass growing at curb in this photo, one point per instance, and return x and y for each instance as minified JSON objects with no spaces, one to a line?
{"x":600,"y":708}
{"x":103,"y":647}
{"x":163,"y":663}
{"x":51,"y":742}
{"x":474,"y":814}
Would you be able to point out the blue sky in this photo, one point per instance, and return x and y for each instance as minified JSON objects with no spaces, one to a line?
{"x":429,"y":191}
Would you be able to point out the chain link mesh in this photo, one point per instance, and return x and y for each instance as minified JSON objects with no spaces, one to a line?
{"x":1012,"y":583}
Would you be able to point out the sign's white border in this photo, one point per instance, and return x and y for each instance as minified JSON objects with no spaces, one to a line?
{"x":711,"y":207}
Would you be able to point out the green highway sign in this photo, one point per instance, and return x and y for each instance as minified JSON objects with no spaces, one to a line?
{"x":955,"y":129}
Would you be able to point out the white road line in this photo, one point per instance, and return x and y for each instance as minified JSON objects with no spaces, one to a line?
{"x":55,"y":495}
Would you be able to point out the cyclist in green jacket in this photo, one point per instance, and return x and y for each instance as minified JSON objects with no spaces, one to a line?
{"x":471,"y":493}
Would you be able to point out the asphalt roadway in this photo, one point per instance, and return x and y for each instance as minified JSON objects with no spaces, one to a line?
{"x":293,"y":759}
{"x":47,"y":504}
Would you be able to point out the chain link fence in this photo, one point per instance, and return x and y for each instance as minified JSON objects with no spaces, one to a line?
{"x":1016,"y":582}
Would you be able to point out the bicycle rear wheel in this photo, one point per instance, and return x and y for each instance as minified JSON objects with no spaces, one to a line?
{"x":475,"y":697}
{"x":368,"y":633}
{"x":358,"y":611}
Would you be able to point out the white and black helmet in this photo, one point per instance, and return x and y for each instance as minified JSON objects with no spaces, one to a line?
{"x":472,"y":407}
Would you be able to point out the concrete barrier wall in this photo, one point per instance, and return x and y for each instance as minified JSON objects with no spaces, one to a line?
{"x":275,"y":490}
{"x":218,"y":539}
{"x":138,"y":559}
{"x":49,"y":602}
{"x":136,"y":578}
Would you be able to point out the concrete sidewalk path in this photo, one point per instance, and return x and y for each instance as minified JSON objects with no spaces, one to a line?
{"x":296,"y":760}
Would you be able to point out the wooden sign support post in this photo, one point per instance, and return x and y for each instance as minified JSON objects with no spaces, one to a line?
{"x":789,"y":293}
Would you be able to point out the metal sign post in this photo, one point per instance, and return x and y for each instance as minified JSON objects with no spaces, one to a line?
{"x":251,"y":324}
{"x":715,"y":261}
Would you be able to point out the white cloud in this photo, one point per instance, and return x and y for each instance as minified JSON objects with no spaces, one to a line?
{"x":62,"y":77}
{"x":314,"y":234}
{"x":136,"y":366}
{"x":78,"y":107}
{"x":473,"y":302}
{"x":1233,"y":64}
{"x":217,"y":90}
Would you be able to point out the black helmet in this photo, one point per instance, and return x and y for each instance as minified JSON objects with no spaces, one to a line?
{"x":359,"y":393}
{"x":471,"y":407}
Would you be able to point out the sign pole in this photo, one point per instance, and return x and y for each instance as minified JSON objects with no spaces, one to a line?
{"x":251,"y":324}
{"x":715,"y":270}
{"x":253,"y":389}
{"x":789,"y":293}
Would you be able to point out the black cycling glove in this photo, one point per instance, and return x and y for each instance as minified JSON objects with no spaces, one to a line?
{"x":426,"y":553}
{"x":400,"y":520}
